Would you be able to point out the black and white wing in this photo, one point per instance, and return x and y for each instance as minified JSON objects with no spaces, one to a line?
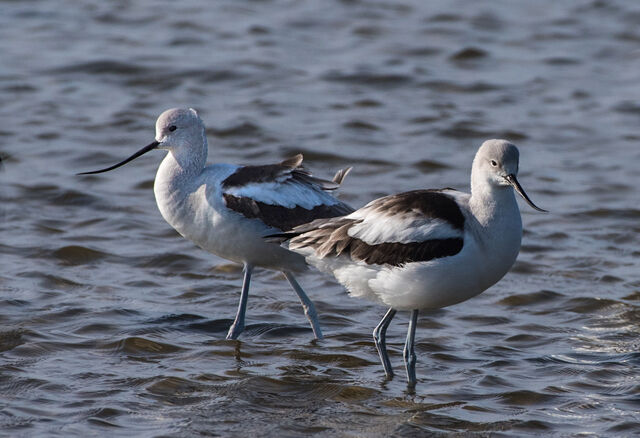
{"x":283,"y":195}
{"x":414,"y":226}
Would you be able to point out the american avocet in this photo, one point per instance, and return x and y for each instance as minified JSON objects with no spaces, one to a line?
{"x":423,"y":249}
{"x":227,"y":209}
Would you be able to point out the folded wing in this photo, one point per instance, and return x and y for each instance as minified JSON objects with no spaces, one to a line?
{"x":283,"y":195}
{"x":415,"y":226}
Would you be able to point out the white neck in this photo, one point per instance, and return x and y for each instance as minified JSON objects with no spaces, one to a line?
{"x":175,"y":180}
{"x":497,"y":213}
{"x":177,"y":169}
{"x":489,"y":202}
{"x":183,"y":163}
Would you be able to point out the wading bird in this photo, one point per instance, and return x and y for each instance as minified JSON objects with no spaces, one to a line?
{"x":227,"y":209}
{"x":423,"y":249}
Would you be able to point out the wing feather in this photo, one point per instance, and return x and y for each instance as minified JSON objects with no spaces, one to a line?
{"x":282,"y":195}
{"x":395,"y":230}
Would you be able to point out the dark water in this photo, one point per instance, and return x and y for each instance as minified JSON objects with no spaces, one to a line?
{"x":113,"y":325}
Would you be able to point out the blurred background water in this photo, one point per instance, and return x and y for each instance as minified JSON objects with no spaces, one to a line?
{"x":112,"y":324}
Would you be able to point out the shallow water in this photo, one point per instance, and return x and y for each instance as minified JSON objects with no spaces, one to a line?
{"x":112,"y":324}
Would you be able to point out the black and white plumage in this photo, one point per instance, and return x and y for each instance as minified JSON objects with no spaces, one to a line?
{"x":228,"y":209}
{"x":423,"y":249}
{"x":258,"y":192}
{"x":415,"y":226}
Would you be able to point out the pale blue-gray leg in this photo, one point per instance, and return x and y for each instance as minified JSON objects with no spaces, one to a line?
{"x":307,"y":305}
{"x":409,"y":353}
{"x":238,"y":324}
{"x":380,"y":339}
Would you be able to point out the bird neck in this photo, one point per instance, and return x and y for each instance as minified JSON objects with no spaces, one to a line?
{"x":182,"y":165}
{"x":490,"y":203}
{"x":175,"y":179}
{"x":498,"y":216}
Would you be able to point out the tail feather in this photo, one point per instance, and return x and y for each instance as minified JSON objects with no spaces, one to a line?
{"x":300,"y":229}
{"x":293,"y":162}
{"x":341,"y":175}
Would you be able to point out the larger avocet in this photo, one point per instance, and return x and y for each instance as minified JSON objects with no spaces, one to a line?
{"x":423,"y":249}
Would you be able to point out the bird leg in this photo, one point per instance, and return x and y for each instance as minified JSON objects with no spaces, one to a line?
{"x":409,"y":353}
{"x":238,"y":324}
{"x":380,"y":339}
{"x":308,"y":306}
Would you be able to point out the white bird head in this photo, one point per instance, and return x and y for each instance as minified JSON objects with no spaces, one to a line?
{"x":178,"y":130}
{"x":496,"y":165}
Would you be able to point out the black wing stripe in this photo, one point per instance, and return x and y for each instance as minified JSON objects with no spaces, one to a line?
{"x":290,"y":168}
{"x":254,"y":174}
{"x":333,"y":239}
{"x":398,"y":254}
{"x":280,"y":217}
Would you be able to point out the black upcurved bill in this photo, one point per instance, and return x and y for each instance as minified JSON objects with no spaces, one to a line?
{"x":518,"y":188}
{"x":142,"y":151}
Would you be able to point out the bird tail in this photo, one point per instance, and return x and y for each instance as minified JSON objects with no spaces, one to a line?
{"x":300,"y":229}
{"x":341,"y":175}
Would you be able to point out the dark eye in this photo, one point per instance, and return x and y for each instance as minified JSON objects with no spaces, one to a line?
{"x":172,"y":128}
{"x":494,"y":163}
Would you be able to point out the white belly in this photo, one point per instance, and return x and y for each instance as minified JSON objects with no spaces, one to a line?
{"x":423,"y":285}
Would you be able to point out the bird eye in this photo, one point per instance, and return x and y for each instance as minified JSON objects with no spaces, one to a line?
{"x":494,"y":163}
{"x":172,"y":128}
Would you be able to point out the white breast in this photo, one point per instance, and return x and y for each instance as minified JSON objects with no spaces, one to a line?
{"x":197,"y":211}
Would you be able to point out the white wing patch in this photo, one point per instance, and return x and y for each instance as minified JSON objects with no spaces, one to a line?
{"x":287,"y":194}
{"x":379,"y":227}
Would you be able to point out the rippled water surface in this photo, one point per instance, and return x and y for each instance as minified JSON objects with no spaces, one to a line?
{"x":111,"y":324}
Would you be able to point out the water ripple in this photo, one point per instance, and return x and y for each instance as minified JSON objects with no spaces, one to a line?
{"x":113,"y":324}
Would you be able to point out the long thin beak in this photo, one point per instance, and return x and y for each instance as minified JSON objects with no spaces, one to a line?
{"x":142,"y":151}
{"x":518,"y":188}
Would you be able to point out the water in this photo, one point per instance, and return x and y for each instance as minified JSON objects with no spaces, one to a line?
{"x":111,"y":324}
